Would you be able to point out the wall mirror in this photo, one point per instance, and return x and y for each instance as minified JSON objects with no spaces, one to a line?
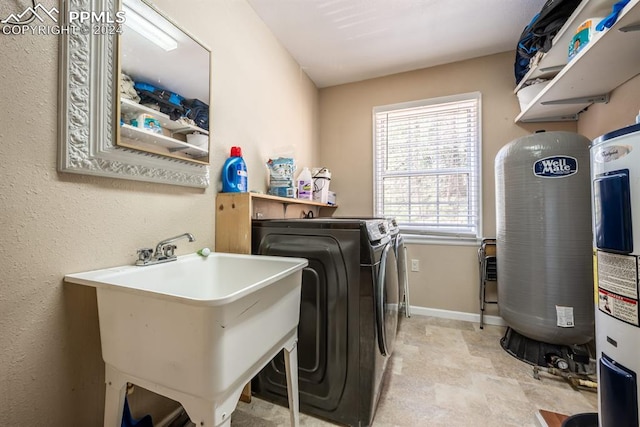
{"x":164,"y":136}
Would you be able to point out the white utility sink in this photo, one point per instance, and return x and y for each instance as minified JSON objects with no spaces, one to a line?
{"x":197,"y":329}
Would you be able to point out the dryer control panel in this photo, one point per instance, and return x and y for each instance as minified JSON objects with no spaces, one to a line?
{"x":393,"y":226}
{"x":377,"y":230}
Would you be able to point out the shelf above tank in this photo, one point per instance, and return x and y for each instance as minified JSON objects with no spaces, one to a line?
{"x":553,"y":61}
{"x":603,"y":65}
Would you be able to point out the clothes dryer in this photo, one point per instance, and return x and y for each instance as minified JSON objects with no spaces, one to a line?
{"x":397,"y":240}
{"x":401,"y":257}
{"x":348,"y":314}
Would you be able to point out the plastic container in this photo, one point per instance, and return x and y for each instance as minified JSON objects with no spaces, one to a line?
{"x":526,"y":94}
{"x":234,"y":173}
{"x":321,"y":181}
{"x":198,"y":139}
{"x":305,"y":185}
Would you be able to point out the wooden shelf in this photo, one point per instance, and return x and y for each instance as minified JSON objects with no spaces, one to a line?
{"x":604,"y":64}
{"x":288,"y":200}
{"x":235,"y":211}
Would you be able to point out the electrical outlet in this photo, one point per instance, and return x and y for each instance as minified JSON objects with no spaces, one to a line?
{"x":415,"y":265}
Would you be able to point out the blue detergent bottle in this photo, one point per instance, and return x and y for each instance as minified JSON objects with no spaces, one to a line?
{"x":234,"y":173}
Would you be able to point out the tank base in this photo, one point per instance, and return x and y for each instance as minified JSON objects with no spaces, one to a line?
{"x":589,"y":419}
{"x":575,"y":358}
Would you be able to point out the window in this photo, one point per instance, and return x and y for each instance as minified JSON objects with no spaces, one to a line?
{"x":427,"y":165}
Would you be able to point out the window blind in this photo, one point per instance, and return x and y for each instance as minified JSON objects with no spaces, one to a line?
{"x":427,"y":165}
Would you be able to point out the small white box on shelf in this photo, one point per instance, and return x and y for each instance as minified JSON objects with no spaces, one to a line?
{"x":331,"y":200}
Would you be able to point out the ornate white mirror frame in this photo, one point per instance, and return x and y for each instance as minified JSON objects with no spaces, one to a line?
{"x":87,"y":107}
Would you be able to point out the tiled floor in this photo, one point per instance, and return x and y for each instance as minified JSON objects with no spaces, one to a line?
{"x":449,"y":373}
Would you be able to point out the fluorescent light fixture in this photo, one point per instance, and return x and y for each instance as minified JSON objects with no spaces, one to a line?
{"x":148,"y":30}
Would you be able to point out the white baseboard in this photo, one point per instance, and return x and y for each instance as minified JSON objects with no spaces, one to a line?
{"x":457,"y":315}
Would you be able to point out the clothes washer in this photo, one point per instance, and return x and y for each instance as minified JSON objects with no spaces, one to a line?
{"x":348,"y":314}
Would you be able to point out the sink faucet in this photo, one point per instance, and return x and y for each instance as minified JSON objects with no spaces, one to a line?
{"x":164,"y":251}
{"x":161,"y":246}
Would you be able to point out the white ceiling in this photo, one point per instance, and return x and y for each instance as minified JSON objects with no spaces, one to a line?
{"x":341,"y":41}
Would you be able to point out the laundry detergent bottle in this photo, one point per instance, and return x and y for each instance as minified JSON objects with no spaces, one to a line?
{"x":234,"y":173}
{"x":305,"y":184}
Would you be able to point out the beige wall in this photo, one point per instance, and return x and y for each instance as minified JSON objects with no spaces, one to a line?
{"x":621,"y":111}
{"x":448,"y":276}
{"x":51,"y":372}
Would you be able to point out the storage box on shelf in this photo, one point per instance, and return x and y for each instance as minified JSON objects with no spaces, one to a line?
{"x":604,"y":64}
{"x":160,"y":143}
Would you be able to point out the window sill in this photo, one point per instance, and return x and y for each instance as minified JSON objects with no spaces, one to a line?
{"x":416,"y":239}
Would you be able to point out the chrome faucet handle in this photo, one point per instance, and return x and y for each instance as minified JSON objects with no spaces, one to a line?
{"x":145,"y":254}
{"x":168,"y":250}
{"x":164,"y":252}
{"x":163,"y":243}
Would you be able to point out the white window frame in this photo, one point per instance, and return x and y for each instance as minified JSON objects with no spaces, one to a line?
{"x":418,"y":234}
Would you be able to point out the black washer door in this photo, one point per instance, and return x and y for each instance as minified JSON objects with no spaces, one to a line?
{"x":323,"y":328}
{"x":386,"y":296}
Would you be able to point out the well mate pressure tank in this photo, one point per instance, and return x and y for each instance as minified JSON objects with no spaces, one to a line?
{"x":544,"y":243}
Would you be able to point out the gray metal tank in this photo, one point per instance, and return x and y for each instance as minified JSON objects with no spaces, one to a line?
{"x":544,"y":244}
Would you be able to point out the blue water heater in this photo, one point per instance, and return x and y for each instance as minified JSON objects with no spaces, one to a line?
{"x":615,"y":175}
